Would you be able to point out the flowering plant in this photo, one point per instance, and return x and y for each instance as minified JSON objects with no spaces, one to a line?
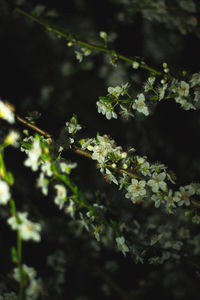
{"x":131,"y":208}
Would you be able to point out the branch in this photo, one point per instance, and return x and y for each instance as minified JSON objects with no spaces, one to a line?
{"x":68,"y":37}
{"x":34,"y":127}
{"x":76,"y":149}
{"x":89,"y":155}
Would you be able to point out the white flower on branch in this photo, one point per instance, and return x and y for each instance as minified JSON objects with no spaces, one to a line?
{"x":42,"y":183}
{"x":185,"y":192}
{"x":46,"y":168}
{"x":140,"y":106}
{"x":106,"y":109}
{"x":34,"y":288}
{"x":80,"y":54}
{"x":184,"y":103}
{"x":125,"y":112}
{"x":12,"y":138}
{"x":135,"y":65}
{"x":28,"y":230}
{"x":6,"y":113}
{"x":196,"y":219}
{"x":4,"y":192}
{"x":67,"y":167}
{"x":34,"y":155}
{"x":157,"y":182}
{"x":161,"y":91}
{"x":183,"y":88}
{"x":103,"y":35}
{"x":149,"y":83}
{"x":70,"y":209}
{"x":136,"y":190}
{"x":118,"y":90}
{"x":73,"y":127}
{"x":61,"y":195}
{"x":171,"y":200}
{"x":195,"y":80}
{"x":111,"y":177}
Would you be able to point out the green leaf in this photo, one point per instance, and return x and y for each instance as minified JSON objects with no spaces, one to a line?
{"x":14,"y":255}
{"x":9,"y":178}
{"x":104,"y":99}
{"x":124,"y":101}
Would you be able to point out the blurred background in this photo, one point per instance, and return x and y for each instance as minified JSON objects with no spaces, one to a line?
{"x":38,"y":71}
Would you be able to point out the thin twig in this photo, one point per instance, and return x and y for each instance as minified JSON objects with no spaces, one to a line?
{"x":68,"y":37}
{"x":32,"y":126}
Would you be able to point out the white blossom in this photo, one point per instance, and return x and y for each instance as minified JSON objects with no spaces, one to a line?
{"x":67,"y":167}
{"x":161,"y":91}
{"x":136,"y":190}
{"x":135,"y":65}
{"x":184,"y":103}
{"x":195,"y":80}
{"x":34,"y":155}
{"x":144,"y":169}
{"x":125,"y":113}
{"x":61,"y":195}
{"x":46,"y":168}
{"x":157,"y":182}
{"x":101,"y":150}
{"x":122,"y":245}
{"x":4,"y":192}
{"x":79,"y":56}
{"x":12,"y":138}
{"x":28,"y":230}
{"x":157,"y":199}
{"x":196,"y":219}
{"x":6,"y":113}
{"x":42,"y":183}
{"x":171,"y":200}
{"x":140,"y":106}
{"x":70,"y":209}
{"x":148,"y":85}
{"x":106,"y":109}
{"x":183,"y":89}
{"x":31,"y":273}
{"x":34,"y":288}
{"x":111,"y":177}
{"x":117,"y":91}
{"x":103,"y":35}
{"x":73,"y":127}
{"x":185,"y":192}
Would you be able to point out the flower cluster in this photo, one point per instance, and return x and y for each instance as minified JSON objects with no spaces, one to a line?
{"x":149,"y":181}
{"x":185,"y":93}
{"x":40,"y":157}
{"x":107,"y":104}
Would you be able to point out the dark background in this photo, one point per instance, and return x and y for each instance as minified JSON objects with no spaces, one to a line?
{"x":39,"y":72}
